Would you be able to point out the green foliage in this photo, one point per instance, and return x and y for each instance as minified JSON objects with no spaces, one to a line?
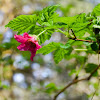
{"x":47,"y":21}
{"x":82,"y":34}
{"x":8,"y":45}
{"x":66,"y":20}
{"x":50,"y":88}
{"x":90,"y":67}
{"x":46,"y":35}
{"x":95,"y":46}
{"x":96,"y":10}
{"x":60,"y":50}
{"x":22,"y":23}
{"x":59,"y":55}
{"x":47,"y":14}
{"x":48,"y":48}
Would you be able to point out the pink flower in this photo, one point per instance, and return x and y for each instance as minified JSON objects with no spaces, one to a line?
{"x":28,"y":43}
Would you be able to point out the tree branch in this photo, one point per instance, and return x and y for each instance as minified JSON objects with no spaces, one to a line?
{"x":75,"y":81}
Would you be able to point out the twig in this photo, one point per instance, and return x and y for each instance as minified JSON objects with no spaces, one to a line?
{"x":75,"y":38}
{"x":82,"y":40}
{"x":73,"y":34}
{"x":75,"y":81}
{"x":93,"y":95}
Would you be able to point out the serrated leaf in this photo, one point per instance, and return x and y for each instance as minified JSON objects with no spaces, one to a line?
{"x":47,"y":14}
{"x":36,"y":30}
{"x":66,"y":46}
{"x":67,"y":20}
{"x":81,"y":18}
{"x":48,"y":48}
{"x":79,"y":28}
{"x":96,"y":10}
{"x":70,"y":20}
{"x":59,"y":55}
{"x":45,"y":36}
{"x":22,"y":23}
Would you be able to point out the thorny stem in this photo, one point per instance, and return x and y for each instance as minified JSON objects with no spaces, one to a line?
{"x":75,"y":81}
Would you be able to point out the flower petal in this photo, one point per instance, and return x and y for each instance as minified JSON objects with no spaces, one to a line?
{"x":28,"y":43}
{"x":20,"y":38}
{"x":32,"y":39}
{"x":22,"y":47}
{"x":32,"y":55}
{"x":38,"y":46}
{"x":25,"y":35}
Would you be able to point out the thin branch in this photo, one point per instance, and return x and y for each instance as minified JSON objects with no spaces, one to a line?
{"x":82,"y":40}
{"x":75,"y":38}
{"x":93,"y":94}
{"x":73,"y":34}
{"x":75,"y":81}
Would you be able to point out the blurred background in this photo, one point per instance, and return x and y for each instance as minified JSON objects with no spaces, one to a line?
{"x":21,"y":79}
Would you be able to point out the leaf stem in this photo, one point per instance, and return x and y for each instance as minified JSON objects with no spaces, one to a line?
{"x":81,"y":49}
{"x":41,"y":33}
{"x":62,"y":31}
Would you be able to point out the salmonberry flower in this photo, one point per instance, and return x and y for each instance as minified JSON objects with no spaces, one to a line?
{"x":28,"y":43}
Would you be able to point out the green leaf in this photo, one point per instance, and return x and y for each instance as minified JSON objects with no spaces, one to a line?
{"x":73,"y":71}
{"x":90,"y":67}
{"x":81,"y":18}
{"x":79,"y":28}
{"x":45,"y":35}
{"x":66,"y":46}
{"x":87,"y":43}
{"x":62,"y":51}
{"x":50,"y":87}
{"x":22,"y":23}
{"x":70,"y":20}
{"x":92,"y":38}
{"x":47,"y":14}
{"x":59,"y":55}
{"x":67,"y":20}
{"x":48,"y":48}
{"x":96,"y":10}
{"x":95,"y":46}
